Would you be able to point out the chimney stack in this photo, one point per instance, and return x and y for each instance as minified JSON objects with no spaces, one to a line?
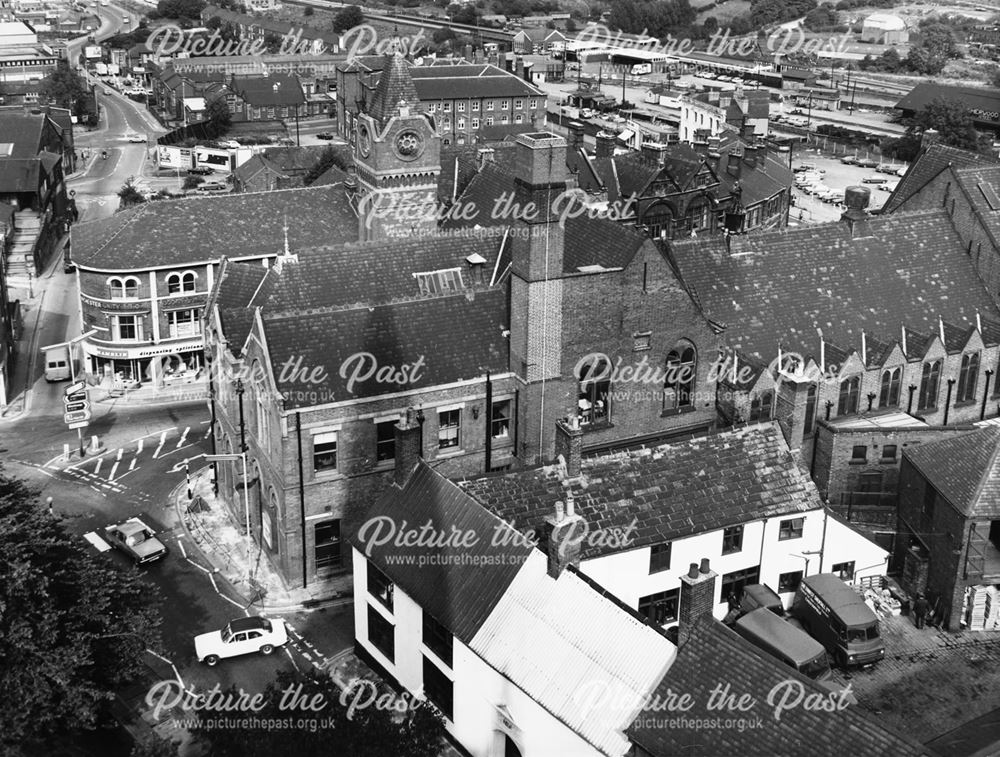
{"x":575,"y":135}
{"x":697,"y":598}
{"x":605,"y":145}
{"x":856,"y":216}
{"x":563,"y":532}
{"x":747,"y":133}
{"x":486,"y":155}
{"x":569,"y":444}
{"x":409,"y":446}
{"x":653,"y":152}
{"x":751,"y":156}
{"x":928,"y":138}
{"x":540,"y":160}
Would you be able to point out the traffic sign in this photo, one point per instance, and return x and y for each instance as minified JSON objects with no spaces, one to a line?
{"x":79,"y":424}
{"x":76,"y":415}
{"x":79,"y":386}
{"x":72,"y":407}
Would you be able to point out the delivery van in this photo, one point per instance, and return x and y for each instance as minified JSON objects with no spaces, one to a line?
{"x":781,"y":639}
{"x":57,"y":363}
{"x":837,"y":617}
{"x":756,"y":596}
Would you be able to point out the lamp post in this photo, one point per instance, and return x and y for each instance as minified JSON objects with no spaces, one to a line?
{"x":242,"y":456}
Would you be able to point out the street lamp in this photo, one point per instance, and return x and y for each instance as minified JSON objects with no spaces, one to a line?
{"x":242,"y":456}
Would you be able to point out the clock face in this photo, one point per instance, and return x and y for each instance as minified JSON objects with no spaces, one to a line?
{"x":409,"y":145}
{"x":364,"y":141}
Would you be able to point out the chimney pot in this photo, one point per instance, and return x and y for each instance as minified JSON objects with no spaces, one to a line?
{"x":705,"y":568}
{"x":693,"y":570}
{"x":856,"y":198}
{"x":560,"y":511}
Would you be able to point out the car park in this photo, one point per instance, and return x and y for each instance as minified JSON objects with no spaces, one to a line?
{"x":241,"y":636}
{"x":137,"y":540}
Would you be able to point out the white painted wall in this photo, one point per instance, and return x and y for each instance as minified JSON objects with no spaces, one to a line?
{"x":479,"y":691}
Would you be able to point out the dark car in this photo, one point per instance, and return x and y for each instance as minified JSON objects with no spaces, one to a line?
{"x":200,"y":171}
{"x":324,"y":135}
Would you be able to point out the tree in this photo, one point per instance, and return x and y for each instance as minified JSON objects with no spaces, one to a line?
{"x":73,"y":628}
{"x":348,"y":18}
{"x":64,"y":89}
{"x":180,"y":8}
{"x":953,"y":122}
{"x":368,"y":732}
{"x":331,"y":156}
{"x":192,"y":182}
{"x":218,"y":117}
{"x":570,"y":26}
{"x":129,"y":195}
{"x":272,"y":43}
{"x":308,"y":11}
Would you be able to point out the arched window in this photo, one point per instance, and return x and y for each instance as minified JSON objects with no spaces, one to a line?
{"x":131,"y":287}
{"x":678,"y":383}
{"x":968,"y":377}
{"x":594,"y":398}
{"x":116,"y":288}
{"x":929,"y":383}
{"x":178,"y":283}
{"x":760,"y":407}
{"x":658,"y":220}
{"x":889,"y":393}
{"x":850,"y":391}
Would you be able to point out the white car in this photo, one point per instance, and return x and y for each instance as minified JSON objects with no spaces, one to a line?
{"x":241,"y":636}
{"x":135,"y":137}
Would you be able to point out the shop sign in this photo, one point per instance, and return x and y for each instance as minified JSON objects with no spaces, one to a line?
{"x":131,"y":307}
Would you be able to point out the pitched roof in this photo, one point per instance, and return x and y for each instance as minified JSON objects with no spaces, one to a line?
{"x":332,"y":175}
{"x":783,"y":285}
{"x":965,"y":469}
{"x":469,"y":81}
{"x":669,"y":492}
{"x":269,"y":91}
{"x":335,"y":302}
{"x":24,"y":131}
{"x":202,"y":229}
{"x":981,"y":184}
{"x":394,"y":85}
{"x":555,"y":639}
{"x":936,"y":158}
{"x":19,"y":174}
{"x":974,"y":98}
{"x":715,"y":655}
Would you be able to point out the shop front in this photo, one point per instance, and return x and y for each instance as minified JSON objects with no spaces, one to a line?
{"x":153,"y":365}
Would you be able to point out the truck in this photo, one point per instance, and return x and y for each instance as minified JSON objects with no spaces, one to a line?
{"x":837,"y":617}
{"x":57,"y":362}
{"x":781,"y":639}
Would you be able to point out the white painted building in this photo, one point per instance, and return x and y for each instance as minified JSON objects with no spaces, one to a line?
{"x":884,"y":29}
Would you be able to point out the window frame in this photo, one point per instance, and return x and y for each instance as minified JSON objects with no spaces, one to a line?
{"x":595,"y":392}
{"x":742,"y":578}
{"x":930,"y":381}
{"x":503,"y":421}
{"x":792,"y":576}
{"x":681,"y":374}
{"x":332,"y":467}
{"x":438,"y":639}
{"x":385,"y":633}
{"x":861,"y":457}
{"x":434,"y":689}
{"x":669,"y":601}
{"x":194,"y":321}
{"x":849,"y":396}
{"x":136,"y":326}
{"x":444,"y":429}
{"x":380,"y":587}
{"x":788,"y":530}
{"x":335,"y":545}
{"x":968,"y":378}
{"x":659,"y":557}
{"x":732,"y":535}
{"x":890,"y":387}
{"x":840,"y":569}
{"x":381,"y":443}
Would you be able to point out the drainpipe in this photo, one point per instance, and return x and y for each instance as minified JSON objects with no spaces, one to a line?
{"x":822,"y":544}
{"x":302,"y":498}
{"x":947,"y":401}
{"x":909,"y":402}
{"x":243,"y":428}
{"x":986,"y":392}
{"x":488,"y":462}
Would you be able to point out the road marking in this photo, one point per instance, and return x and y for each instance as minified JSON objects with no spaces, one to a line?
{"x":163,"y":438}
{"x":121,"y":451}
{"x":97,"y":468}
{"x":138,"y":448}
{"x":96,"y":541}
{"x":183,"y":437}
{"x":131,"y":465}
{"x":114,"y":469}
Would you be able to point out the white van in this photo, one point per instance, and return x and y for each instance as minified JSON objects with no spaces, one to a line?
{"x":57,"y":366}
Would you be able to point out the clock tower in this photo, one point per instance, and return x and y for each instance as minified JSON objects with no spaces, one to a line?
{"x":397,"y":154}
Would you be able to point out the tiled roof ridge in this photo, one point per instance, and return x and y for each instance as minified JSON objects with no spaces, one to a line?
{"x":286,"y":314}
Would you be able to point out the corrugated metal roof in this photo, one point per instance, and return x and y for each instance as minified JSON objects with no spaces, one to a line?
{"x":564,"y":644}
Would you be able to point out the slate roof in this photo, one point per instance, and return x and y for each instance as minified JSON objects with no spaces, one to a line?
{"x":238,"y":289}
{"x":715,"y":655}
{"x":24,"y":131}
{"x":332,"y":175}
{"x":269,"y":91}
{"x":19,"y":174}
{"x":981,"y":183}
{"x":782,"y":285}
{"x":552,"y":638}
{"x":456,"y":596}
{"x":394,"y":85}
{"x":981,"y":98}
{"x":201,"y":229}
{"x":588,"y":241}
{"x":335,"y":302}
{"x":930,"y":163}
{"x":469,"y":81}
{"x":965,"y":469}
{"x":670,"y":492}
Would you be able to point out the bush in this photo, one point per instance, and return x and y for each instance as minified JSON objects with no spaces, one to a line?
{"x":192,"y":182}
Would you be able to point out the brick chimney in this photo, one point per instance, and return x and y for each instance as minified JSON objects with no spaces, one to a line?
{"x":485,"y":155}
{"x":575,"y":135}
{"x":856,"y":216}
{"x":747,"y":133}
{"x":928,"y":138}
{"x":654,"y":152}
{"x":697,"y":598}
{"x":569,"y":444}
{"x":409,"y":446}
{"x":540,"y":160}
{"x":564,"y":530}
{"x":605,"y":145}
{"x":751,"y":155}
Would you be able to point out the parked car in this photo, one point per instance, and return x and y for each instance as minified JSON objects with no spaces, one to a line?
{"x":901,"y":171}
{"x":212,"y":187}
{"x":868,"y":163}
{"x":873,"y":179}
{"x":889,"y":186}
{"x":849,"y":160}
{"x":888,"y":168}
{"x":324,"y":135}
{"x":137,"y":540}
{"x":200,"y":171}
{"x":239,"y":637}
{"x":135,"y":137}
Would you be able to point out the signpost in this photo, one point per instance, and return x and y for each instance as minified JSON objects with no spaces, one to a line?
{"x":76,"y":409}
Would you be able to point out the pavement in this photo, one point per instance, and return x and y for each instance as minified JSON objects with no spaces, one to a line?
{"x":219,"y":534}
